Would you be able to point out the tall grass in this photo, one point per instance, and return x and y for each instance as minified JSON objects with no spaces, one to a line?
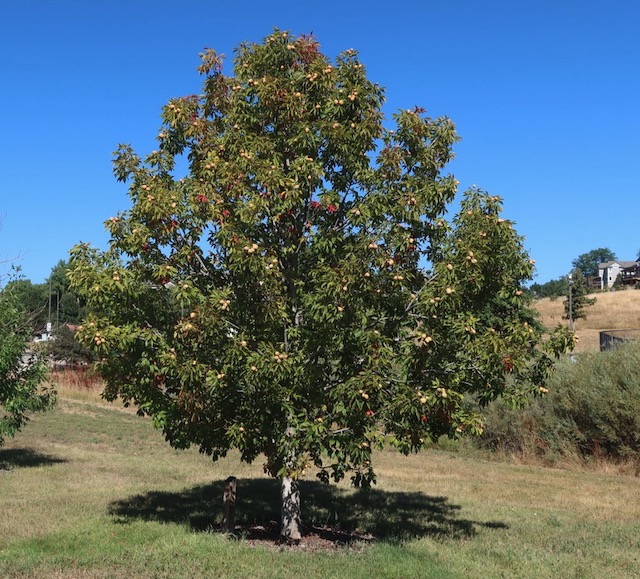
{"x":74,"y":379}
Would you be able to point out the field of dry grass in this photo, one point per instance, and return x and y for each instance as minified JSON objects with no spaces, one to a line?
{"x":617,"y":310}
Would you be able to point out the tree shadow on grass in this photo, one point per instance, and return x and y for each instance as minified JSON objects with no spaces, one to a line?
{"x":11,"y":458}
{"x":334,"y":513}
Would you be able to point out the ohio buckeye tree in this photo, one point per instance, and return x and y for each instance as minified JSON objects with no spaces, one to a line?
{"x":297,"y":293}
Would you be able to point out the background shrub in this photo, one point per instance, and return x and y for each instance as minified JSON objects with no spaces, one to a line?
{"x":592,"y":408}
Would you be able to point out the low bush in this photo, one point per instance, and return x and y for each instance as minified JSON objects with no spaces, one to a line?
{"x":592,"y":409}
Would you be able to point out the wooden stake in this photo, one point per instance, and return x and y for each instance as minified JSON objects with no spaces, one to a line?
{"x":229,"y":505}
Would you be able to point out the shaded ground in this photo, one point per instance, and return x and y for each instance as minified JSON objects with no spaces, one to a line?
{"x":25,"y":457}
{"x":334,"y":517}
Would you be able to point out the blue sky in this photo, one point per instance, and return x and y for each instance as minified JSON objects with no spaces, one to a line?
{"x":545,"y":95}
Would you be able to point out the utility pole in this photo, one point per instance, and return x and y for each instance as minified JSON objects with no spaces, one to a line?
{"x":571,"y":327}
{"x":49,"y":320}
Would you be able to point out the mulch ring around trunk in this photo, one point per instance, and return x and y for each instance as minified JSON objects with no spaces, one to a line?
{"x":314,"y":538}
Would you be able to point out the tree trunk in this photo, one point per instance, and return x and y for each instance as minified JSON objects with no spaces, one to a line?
{"x":290,"y":496}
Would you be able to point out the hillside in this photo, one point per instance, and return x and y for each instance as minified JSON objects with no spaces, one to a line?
{"x":617,"y":310}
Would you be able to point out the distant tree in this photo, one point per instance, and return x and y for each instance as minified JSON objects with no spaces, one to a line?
{"x":68,"y":306}
{"x":33,"y":300}
{"x":52,"y":301}
{"x":576,"y":304}
{"x":21,"y":371}
{"x":66,"y":348}
{"x":69,"y":310}
{"x":552,"y":289}
{"x":277,"y":299}
{"x":588,"y":262}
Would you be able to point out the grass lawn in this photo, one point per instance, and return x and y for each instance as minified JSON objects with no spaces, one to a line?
{"x":91,"y":490}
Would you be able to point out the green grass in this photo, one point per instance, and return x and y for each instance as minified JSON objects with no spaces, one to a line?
{"x":89,"y":490}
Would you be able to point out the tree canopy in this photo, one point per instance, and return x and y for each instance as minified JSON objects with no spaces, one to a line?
{"x":299,"y":294}
{"x":588,"y":262}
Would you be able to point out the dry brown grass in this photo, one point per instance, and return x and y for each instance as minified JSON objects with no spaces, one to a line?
{"x":568,"y":461}
{"x":617,"y":310}
{"x":84,"y":386}
{"x":77,"y":379}
{"x":517,"y":482}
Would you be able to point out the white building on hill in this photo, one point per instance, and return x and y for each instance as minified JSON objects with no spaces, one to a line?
{"x":610,"y":270}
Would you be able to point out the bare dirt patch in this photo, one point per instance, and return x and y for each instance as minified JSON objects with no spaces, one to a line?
{"x":314,"y":538}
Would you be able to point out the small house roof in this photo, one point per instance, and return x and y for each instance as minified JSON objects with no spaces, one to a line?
{"x":607,"y":264}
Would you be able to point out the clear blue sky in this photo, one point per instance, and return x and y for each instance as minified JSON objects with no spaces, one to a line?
{"x":545,"y":94}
